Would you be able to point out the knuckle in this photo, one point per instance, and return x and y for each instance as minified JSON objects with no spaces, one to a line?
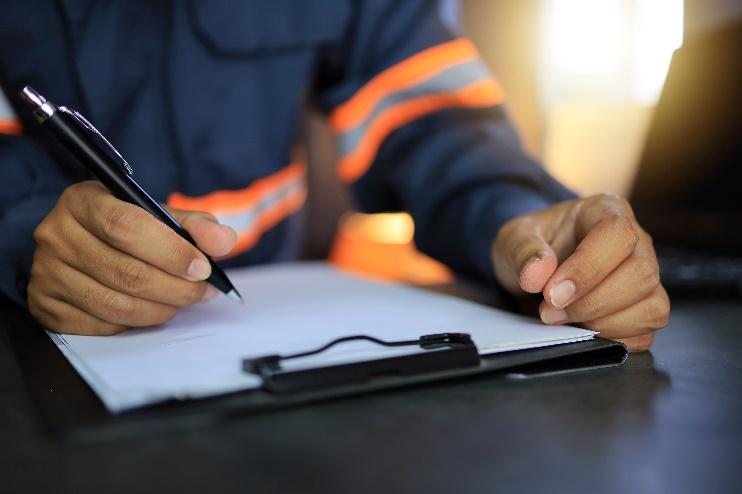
{"x":40,"y":232}
{"x":31,"y":290}
{"x":85,"y":187}
{"x":37,"y":271}
{"x":646,"y":238}
{"x":69,"y":194}
{"x":131,"y":275}
{"x":646,"y":272}
{"x":585,"y":308}
{"x":607,"y":197}
{"x":45,"y":233}
{"x":194,"y":293}
{"x":120,"y":221}
{"x":642,"y":343}
{"x":626,"y":228}
{"x":34,"y":292}
{"x":48,"y":318}
{"x":119,"y":308}
{"x":35,"y":308}
{"x":180,"y":254}
{"x":658,"y":312}
{"x":71,"y":197}
{"x":47,"y":321}
{"x":617,"y":202}
{"x":596,"y":325}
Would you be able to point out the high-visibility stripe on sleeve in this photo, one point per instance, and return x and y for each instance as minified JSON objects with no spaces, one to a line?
{"x":10,"y":127}
{"x":9,"y":123}
{"x":254,"y":210}
{"x":444,"y":76}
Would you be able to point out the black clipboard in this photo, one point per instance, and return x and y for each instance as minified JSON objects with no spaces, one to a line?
{"x":72,"y":411}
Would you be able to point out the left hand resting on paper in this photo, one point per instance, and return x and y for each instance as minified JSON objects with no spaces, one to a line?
{"x":593,"y":263}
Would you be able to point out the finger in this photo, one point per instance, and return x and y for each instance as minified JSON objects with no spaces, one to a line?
{"x":136,"y":232}
{"x":648,"y":315}
{"x":523,"y":260}
{"x":62,"y":317}
{"x":639,"y":343}
{"x":635,"y":279}
{"x":124,"y":273}
{"x":213,"y":238}
{"x":90,"y":296}
{"x":609,"y":234}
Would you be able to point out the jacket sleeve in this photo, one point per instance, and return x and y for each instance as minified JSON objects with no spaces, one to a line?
{"x":31,"y":180}
{"x":420,"y":126}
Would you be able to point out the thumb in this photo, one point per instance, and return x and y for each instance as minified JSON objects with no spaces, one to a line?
{"x":213,"y":238}
{"x":523,"y":260}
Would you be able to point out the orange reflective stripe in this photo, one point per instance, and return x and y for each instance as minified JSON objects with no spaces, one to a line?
{"x":255,"y":209}
{"x":236,"y":201}
{"x":10,"y":127}
{"x":486,"y":92}
{"x":268,"y":219}
{"x":405,"y":74}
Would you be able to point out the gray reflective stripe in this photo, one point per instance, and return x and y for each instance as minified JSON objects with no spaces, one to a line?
{"x":448,"y":80}
{"x":247,"y":219}
{"x":6,"y":112}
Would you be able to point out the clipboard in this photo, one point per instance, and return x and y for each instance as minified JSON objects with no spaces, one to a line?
{"x":72,"y":412}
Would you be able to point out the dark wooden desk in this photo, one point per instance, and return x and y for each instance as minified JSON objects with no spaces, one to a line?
{"x":669,"y":421}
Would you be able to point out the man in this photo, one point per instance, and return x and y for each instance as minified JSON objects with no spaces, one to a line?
{"x":203,"y":98}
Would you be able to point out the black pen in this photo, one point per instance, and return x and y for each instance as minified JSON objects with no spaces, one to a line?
{"x":94,"y":151}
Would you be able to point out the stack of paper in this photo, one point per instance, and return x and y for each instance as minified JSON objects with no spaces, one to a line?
{"x":288,"y":308}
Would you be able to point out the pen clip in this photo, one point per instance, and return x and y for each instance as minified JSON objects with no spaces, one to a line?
{"x":95,"y":133}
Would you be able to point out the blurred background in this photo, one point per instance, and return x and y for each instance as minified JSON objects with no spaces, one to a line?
{"x":582,"y":78}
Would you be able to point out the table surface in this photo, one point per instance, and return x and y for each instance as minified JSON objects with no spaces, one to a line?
{"x":666,"y":421}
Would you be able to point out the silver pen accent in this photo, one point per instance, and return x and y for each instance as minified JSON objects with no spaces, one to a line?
{"x":125,"y":166}
{"x":42,"y":108}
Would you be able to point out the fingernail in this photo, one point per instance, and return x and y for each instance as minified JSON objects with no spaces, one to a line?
{"x":561,"y":294}
{"x":209,"y":294}
{"x":542,"y":254}
{"x":199,"y":269}
{"x":551,"y":315}
{"x":531,"y":261}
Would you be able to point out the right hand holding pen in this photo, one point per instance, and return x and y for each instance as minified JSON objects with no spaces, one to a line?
{"x":102,"y":265}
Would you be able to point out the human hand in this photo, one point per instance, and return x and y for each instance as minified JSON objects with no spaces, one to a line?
{"x":102,"y":265}
{"x":594,"y":265}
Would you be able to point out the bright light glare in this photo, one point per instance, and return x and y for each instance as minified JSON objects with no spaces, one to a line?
{"x":614,"y":49}
{"x":585,"y":36}
{"x":659,"y":31}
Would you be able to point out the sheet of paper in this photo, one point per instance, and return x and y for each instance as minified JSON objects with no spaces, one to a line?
{"x":288,"y":308}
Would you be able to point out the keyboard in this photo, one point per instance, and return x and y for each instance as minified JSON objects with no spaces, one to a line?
{"x":684,"y":273}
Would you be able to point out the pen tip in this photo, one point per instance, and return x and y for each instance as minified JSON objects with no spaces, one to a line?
{"x":234,"y":295}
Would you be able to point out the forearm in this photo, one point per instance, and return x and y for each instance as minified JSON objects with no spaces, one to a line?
{"x":461,"y":175}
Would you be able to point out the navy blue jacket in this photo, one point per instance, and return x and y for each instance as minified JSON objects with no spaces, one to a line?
{"x":204,"y":99}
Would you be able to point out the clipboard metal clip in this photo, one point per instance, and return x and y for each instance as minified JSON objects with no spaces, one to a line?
{"x":443,"y":352}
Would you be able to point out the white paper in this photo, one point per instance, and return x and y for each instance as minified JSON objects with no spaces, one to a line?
{"x":288,"y":308}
